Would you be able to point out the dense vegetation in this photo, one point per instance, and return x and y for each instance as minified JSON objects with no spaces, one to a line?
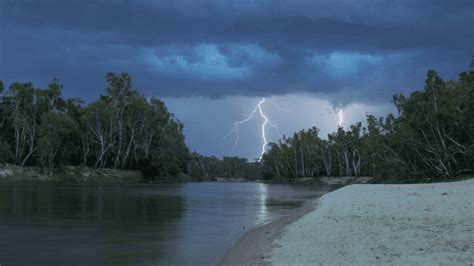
{"x":121,"y":130}
{"x":431,"y":139}
{"x":211,"y":167}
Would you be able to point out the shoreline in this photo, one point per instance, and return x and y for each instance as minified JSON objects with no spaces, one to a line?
{"x":67,"y":174}
{"x":14,"y":174}
{"x":71,"y":174}
{"x":427,"y":223}
{"x":254,"y":246}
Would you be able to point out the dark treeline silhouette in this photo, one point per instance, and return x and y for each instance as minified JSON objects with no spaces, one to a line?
{"x":211,"y":167}
{"x":431,"y":139}
{"x":121,"y":130}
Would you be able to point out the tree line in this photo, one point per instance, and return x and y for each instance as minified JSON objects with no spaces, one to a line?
{"x":122,"y":129}
{"x":211,"y":167}
{"x":431,"y":139}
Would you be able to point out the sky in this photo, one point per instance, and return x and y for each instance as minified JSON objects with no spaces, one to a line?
{"x":212,"y":61}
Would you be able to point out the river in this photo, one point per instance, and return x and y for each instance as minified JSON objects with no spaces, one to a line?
{"x":191,"y":223}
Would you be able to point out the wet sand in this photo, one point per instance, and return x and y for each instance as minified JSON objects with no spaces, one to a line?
{"x":254,"y":247}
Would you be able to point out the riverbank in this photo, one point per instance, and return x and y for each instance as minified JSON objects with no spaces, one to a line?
{"x":80,"y":174}
{"x":337,"y":181}
{"x":70,"y":174}
{"x":254,"y":246}
{"x":370,"y":224}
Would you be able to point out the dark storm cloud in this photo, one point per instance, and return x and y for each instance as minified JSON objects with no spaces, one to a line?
{"x":344,"y":49}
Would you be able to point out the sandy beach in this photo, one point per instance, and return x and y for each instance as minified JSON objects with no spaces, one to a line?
{"x":428,"y":224}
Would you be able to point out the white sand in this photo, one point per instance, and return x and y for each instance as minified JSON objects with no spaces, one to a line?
{"x":427,"y":224}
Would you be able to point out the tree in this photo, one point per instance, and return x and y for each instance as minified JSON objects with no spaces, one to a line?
{"x":54,"y":132}
{"x":430,"y":122}
{"x":25,"y":103}
{"x":133,"y":124}
{"x":119,"y":91}
{"x":3,"y":107}
{"x":6,"y":154}
{"x":99,"y":120}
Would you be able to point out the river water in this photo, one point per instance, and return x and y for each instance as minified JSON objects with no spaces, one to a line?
{"x":192,"y":223}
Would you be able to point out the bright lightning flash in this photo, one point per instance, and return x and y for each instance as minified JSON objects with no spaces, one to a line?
{"x":340,"y":115}
{"x":257,"y":110}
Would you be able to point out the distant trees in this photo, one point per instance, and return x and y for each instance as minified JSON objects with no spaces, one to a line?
{"x":307,"y":155}
{"x":431,"y":139}
{"x":122,"y":129}
{"x":229,"y":167}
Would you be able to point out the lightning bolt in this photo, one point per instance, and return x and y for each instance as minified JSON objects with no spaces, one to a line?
{"x":340,"y":115}
{"x":351,"y":110}
{"x":266,"y":121}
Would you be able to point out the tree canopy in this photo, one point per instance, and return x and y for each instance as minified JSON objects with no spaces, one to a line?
{"x":122,"y":129}
{"x":431,"y":139}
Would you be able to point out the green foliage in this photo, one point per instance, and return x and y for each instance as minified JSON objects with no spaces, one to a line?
{"x":431,"y":140}
{"x":26,"y":104}
{"x":55,"y":131}
{"x":307,"y":155}
{"x":210,"y":167}
{"x":432,"y":134}
{"x":6,"y":154}
{"x":121,"y":129}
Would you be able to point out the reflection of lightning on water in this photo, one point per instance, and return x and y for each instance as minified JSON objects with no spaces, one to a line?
{"x":258,"y":109}
{"x":263,"y":197}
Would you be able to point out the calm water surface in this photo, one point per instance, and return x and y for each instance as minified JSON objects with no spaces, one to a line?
{"x":193,"y":223}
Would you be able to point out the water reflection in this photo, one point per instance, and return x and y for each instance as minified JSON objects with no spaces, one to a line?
{"x":193,"y":223}
{"x":92,"y":224}
{"x":263,"y":197}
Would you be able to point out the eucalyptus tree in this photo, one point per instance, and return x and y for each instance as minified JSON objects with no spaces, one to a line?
{"x":310,"y":152}
{"x":3,"y":108}
{"x":5,"y":149}
{"x":99,"y":119}
{"x":119,"y":92}
{"x":327,"y":156}
{"x":204,"y":166}
{"x":134,"y":121}
{"x":342,"y":143}
{"x":55,"y":131}
{"x":431,"y":123}
{"x":25,"y":115}
{"x":465,"y":97}
{"x":156,"y":120}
